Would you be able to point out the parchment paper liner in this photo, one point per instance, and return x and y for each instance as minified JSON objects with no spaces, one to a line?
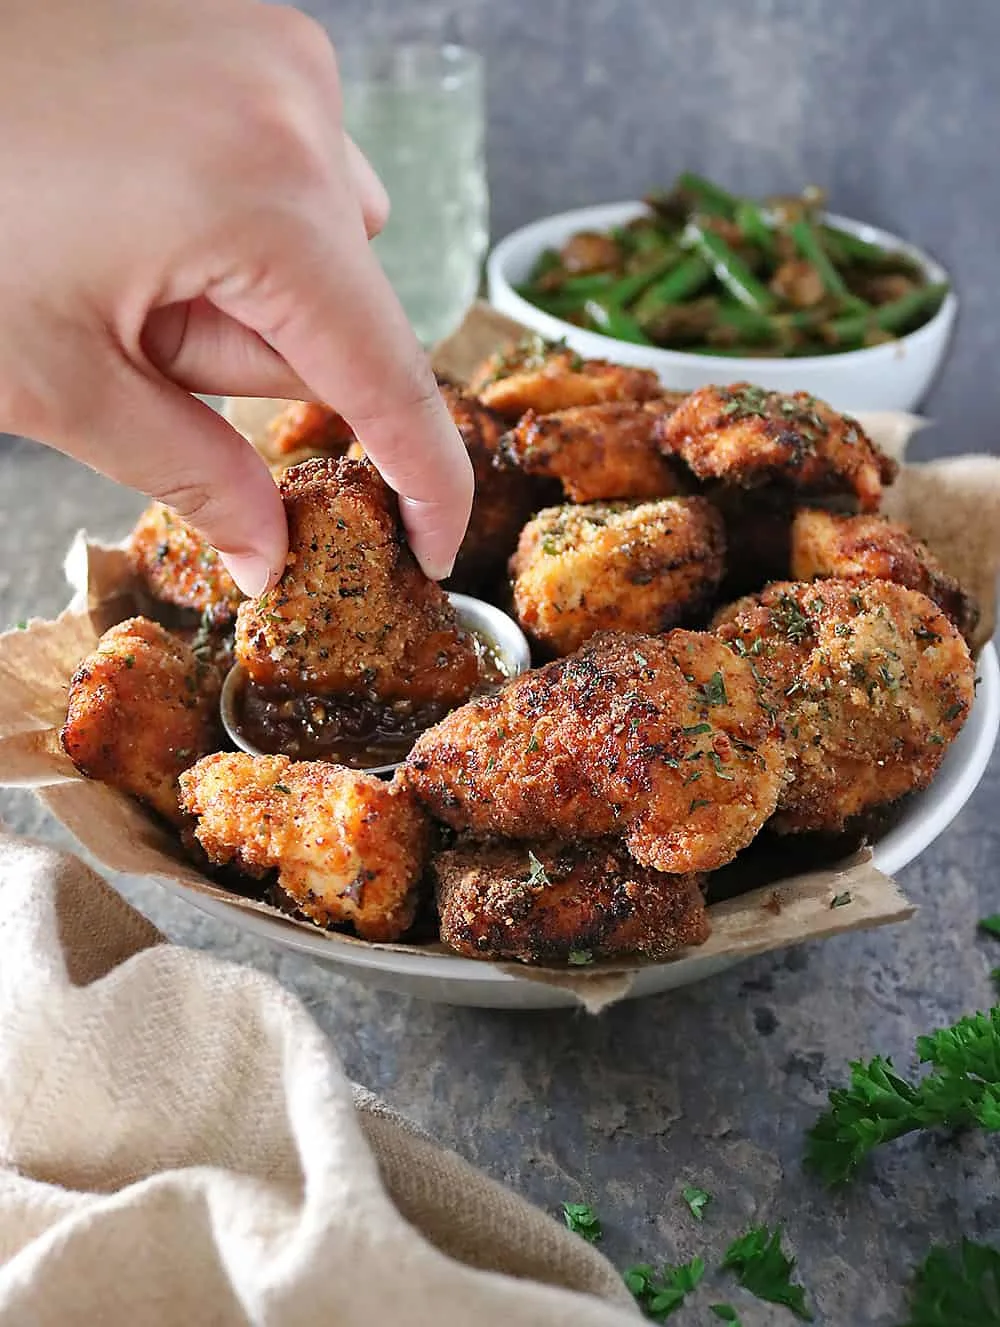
{"x":953,"y":504}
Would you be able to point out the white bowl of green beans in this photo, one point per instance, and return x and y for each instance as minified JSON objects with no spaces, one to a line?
{"x":704,"y":287}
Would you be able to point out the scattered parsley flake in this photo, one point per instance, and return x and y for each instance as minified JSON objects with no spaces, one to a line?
{"x":842,"y":629}
{"x":841,"y":900}
{"x":583,"y":1221}
{"x":641,"y":659}
{"x":716,"y":760}
{"x":533,"y":745}
{"x":990,"y":925}
{"x":936,"y":739}
{"x":763,"y":1268}
{"x":789,"y":618}
{"x":714,"y":690}
{"x":538,"y":875}
{"x":953,"y":711}
{"x":697,"y":1200}
{"x":22,"y":625}
{"x":659,"y":1297}
{"x":579,"y":958}
{"x":726,"y":1312}
{"x":697,"y":804}
{"x":550,"y":545}
{"x":697,"y":730}
{"x":281,"y":787}
{"x":130,"y":661}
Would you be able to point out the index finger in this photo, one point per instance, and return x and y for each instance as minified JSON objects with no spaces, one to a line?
{"x":325,"y":305}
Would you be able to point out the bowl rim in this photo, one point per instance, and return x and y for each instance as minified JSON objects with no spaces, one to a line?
{"x":921,"y":825}
{"x":609,"y":214}
{"x":512,"y":647}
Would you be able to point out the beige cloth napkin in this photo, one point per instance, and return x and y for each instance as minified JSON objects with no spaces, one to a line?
{"x":178,"y":1145}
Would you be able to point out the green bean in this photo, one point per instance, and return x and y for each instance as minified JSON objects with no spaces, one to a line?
{"x":731,"y":271}
{"x":846,"y":247}
{"x":608,"y":318}
{"x":809,"y":246}
{"x":709,"y":198}
{"x":630,"y":287}
{"x":685,"y":279}
{"x":900,"y":316}
{"x":754,"y":226}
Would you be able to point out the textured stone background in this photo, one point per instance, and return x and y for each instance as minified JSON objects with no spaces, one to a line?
{"x":891,"y":104}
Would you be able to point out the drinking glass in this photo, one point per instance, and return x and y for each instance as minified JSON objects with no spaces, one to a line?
{"x":416,"y":111}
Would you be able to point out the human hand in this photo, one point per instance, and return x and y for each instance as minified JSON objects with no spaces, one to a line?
{"x":181,"y":211}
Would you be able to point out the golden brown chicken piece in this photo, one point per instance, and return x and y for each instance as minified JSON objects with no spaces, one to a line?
{"x":348,"y":848}
{"x":872,"y":548}
{"x":662,"y":741}
{"x":743,"y":435}
{"x":504,"y":499}
{"x":597,"y":452}
{"x":870,"y":682}
{"x":305,"y":429}
{"x":615,"y":567}
{"x":557,"y":902}
{"x":179,"y":567}
{"x":533,"y":375}
{"x":353,"y":614}
{"x":142,"y":708}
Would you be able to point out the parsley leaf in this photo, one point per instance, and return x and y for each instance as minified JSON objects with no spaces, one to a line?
{"x":957,"y":1285}
{"x":962,"y":1089}
{"x":583,"y":1221}
{"x":841,"y":900}
{"x":660,"y":1297}
{"x":697,"y":1200}
{"x":579,"y":958}
{"x":697,"y":729}
{"x":714,"y":690}
{"x":764,"y":1269}
{"x":726,"y":1312}
{"x":991,"y":924}
{"x":538,"y":875}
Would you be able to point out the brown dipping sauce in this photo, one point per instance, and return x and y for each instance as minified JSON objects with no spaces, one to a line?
{"x":355,"y":731}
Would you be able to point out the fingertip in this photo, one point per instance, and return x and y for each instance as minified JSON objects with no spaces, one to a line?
{"x":253,"y":574}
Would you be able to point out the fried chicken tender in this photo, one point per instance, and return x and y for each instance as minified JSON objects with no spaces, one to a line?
{"x":179,"y":567}
{"x":615,"y":567}
{"x":348,"y":848}
{"x":869,"y":548}
{"x":746,"y":436}
{"x":559,"y":901}
{"x":663,"y":741}
{"x":305,"y":429}
{"x":353,"y":614}
{"x":533,"y":375}
{"x":142,"y":708}
{"x":596,"y":452}
{"x":870,"y":682}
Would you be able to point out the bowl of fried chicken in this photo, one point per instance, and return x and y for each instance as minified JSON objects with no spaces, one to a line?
{"x":734,"y":654}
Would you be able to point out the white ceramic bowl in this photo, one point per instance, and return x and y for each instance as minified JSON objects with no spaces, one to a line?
{"x":894,"y":376}
{"x":450,"y":979}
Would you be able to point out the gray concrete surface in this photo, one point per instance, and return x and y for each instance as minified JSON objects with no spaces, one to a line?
{"x":711,"y":1086}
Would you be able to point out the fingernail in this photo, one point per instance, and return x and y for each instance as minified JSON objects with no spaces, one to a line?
{"x":251,"y":573}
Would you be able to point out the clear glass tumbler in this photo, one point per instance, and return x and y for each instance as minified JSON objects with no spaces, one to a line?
{"x":416,"y":111}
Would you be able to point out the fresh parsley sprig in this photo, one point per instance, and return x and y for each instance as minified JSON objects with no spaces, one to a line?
{"x":660,"y":1295}
{"x":962,"y":1090}
{"x":583,"y":1221}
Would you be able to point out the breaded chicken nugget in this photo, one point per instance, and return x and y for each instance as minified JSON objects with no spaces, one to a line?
{"x":870,"y":682}
{"x":556,"y":902}
{"x":305,"y":429}
{"x":504,"y":499}
{"x":596,"y":452}
{"x":178,"y":566}
{"x":348,"y":848}
{"x":872,"y":548}
{"x":142,"y":708}
{"x":534,"y":375}
{"x":746,"y":436}
{"x":353,"y":613}
{"x":662,"y":741}
{"x":615,"y":567}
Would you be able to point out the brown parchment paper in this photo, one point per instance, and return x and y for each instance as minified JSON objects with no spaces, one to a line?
{"x":954,"y":505}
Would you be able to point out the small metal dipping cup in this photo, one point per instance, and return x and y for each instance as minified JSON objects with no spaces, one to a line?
{"x":490,"y":624}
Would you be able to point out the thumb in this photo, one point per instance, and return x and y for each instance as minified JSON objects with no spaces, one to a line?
{"x":150,"y":435}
